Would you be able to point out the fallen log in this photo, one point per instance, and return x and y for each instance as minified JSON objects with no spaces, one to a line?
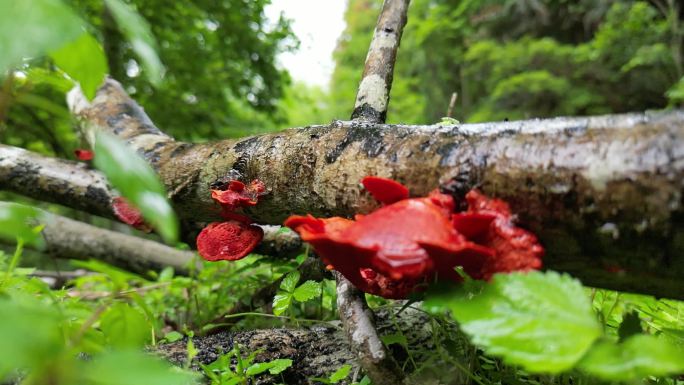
{"x":603,"y":193}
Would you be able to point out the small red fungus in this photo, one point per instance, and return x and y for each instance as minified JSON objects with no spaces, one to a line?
{"x":385,"y":190}
{"x":236,"y":237}
{"x":237,"y":194}
{"x":393,"y":250}
{"x":231,"y":240}
{"x":129,"y":214}
{"x":84,"y":155}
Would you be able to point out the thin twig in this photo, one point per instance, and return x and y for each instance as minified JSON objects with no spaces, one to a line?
{"x":452,"y":104}
{"x":359,"y":325}
{"x":372,"y":97}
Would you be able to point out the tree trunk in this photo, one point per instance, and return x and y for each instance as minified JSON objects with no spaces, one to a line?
{"x":603,"y":193}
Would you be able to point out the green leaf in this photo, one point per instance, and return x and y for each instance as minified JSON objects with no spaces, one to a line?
{"x":138,"y":33}
{"x":280,"y":365}
{"x":394,"y":338}
{"x":133,"y":368}
{"x":541,"y":321}
{"x":306,"y":291}
{"x":638,"y":356}
{"x":30,"y":28}
{"x":281,"y":302}
{"x":340,"y":374}
{"x":630,"y":325}
{"x":84,"y":61}
{"x":290,"y":281}
{"x":273,"y":367}
{"x":30,"y":335}
{"x":17,"y":221}
{"x":125,"y":326}
{"x":173,"y":336}
{"x":136,"y":181}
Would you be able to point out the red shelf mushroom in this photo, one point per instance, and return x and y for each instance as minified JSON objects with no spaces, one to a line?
{"x":409,"y":241}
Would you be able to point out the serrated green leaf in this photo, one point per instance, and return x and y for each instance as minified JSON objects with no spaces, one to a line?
{"x":273,"y":367}
{"x":281,"y":302}
{"x":340,"y":374}
{"x":18,"y":221}
{"x":541,"y":321}
{"x":138,"y":33}
{"x":30,"y":28}
{"x":84,"y":61}
{"x":136,"y":181}
{"x":124,"y":326}
{"x":638,"y":356}
{"x":290,"y":281}
{"x":307,"y":291}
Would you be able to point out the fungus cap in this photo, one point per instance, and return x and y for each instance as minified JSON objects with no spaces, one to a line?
{"x":129,"y":215}
{"x":230,"y":240}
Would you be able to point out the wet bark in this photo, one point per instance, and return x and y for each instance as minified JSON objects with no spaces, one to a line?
{"x":603,"y":193}
{"x":55,"y":180}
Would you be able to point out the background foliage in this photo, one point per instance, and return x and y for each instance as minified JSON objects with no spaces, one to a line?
{"x":521,"y":58}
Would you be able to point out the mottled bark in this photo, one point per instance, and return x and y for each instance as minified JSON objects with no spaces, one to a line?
{"x":316,"y":352}
{"x":55,"y":180}
{"x":603,"y":193}
{"x":372,"y":97}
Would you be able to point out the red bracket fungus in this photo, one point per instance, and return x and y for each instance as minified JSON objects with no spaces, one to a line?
{"x":84,"y":155}
{"x":231,"y":240}
{"x":129,"y":214}
{"x":410,"y":241}
{"x":237,"y":236}
{"x":237,"y":194}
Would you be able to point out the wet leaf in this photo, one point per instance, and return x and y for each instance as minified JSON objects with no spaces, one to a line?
{"x":638,"y":356}
{"x":124,"y":326}
{"x":307,"y":291}
{"x":290,"y":281}
{"x":540,"y":321}
{"x":30,"y":28}
{"x":137,"y":182}
{"x":84,"y":61}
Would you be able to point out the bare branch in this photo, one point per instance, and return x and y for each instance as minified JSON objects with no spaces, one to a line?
{"x":359,"y":325}
{"x":69,"y":239}
{"x":372,"y":97}
{"x":54,"y":180}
